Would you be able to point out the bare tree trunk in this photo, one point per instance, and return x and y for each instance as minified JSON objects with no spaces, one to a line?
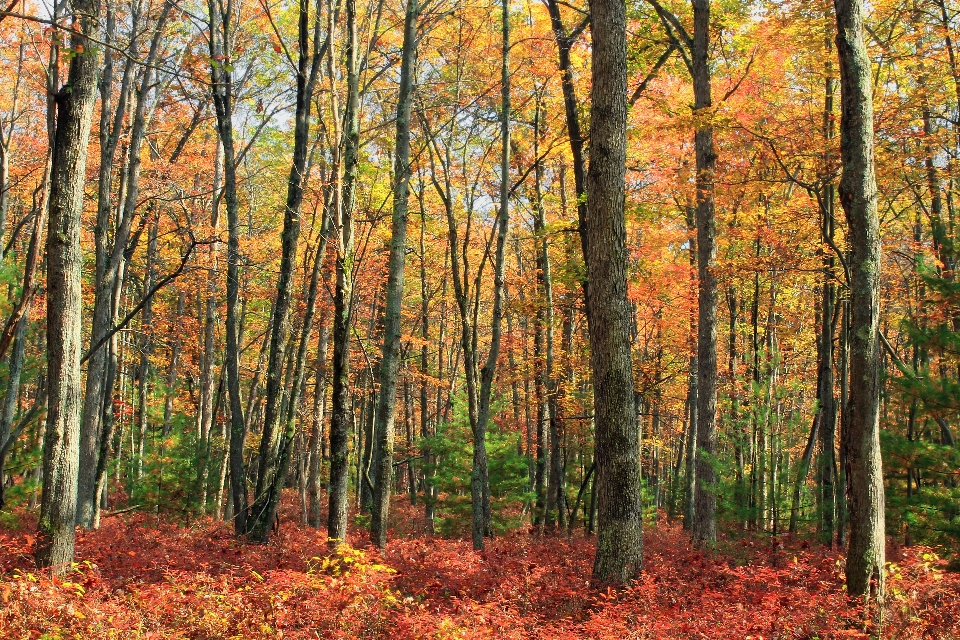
{"x":690,"y":434}
{"x":827,"y":403}
{"x":277,"y":438}
{"x":316,"y":436}
{"x":479,"y":476}
{"x":619,"y":502}
{"x":390,"y":360}
{"x":146,"y":350}
{"x":95,"y":394}
{"x":858,"y":196}
{"x":221,"y":77}
{"x":556,"y":504}
{"x":109,"y":288}
{"x":171,"y":390}
{"x":341,"y":418}
{"x":75,"y":101}
{"x":705,"y":515}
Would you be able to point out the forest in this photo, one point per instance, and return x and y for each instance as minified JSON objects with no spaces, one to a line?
{"x":479,"y":318}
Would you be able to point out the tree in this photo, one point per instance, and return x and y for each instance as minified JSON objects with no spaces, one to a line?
{"x":390,"y":361}
{"x":220,"y":37}
{"x":275,"y":441}
{"x":75,"y":100}
{"x":705,"y":512}
{"x":858,"y":196}
{"x":619,"y":526}
{"x":341,"y":418}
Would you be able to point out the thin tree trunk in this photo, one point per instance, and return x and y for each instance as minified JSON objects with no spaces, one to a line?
{"x":479,"y":476}
{"x":341,"y":417}
{"x":705,"y":514}
{"x":316,"y":436}
{"x":390,"y":360}
{"x":276,"y":439}
{"x":221,"y":76}
{"x":827,"y":404}
{"x":171,"y":390}
{"x":146,"y":350}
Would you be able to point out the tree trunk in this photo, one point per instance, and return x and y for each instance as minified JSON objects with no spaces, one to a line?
{"x":690,"y":434}
{"x":316,"y":436}
{"x":341,"y":417}
{"x":276,"y":439}
{"x":858,"y":196}
{"x":619,"y":503}
{"x":390,"y":361}
{"x":221,"y":77}
{"x":75,"y":101}
{"x":146,"y":350}
{"x":94,"y":394}
{"x":705,"y":514}
{"x":827,"y":404}
{"x":171,"y":390}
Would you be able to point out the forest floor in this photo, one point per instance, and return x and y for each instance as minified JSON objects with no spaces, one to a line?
{"x":134,"y":579}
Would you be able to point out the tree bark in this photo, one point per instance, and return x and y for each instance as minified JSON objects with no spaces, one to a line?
{"x":341,"y":418}
{"x":619,"y":529}
{"x":390,"y":361}
{"x":221,"y":77}
{"x":75,"y":101}
{"x":705,"y":514}
{"x":858,"y":196}
{"x":275,"y":441}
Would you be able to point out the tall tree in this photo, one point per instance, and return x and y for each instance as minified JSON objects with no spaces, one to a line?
{"x":75,"y":101}
{"x":274,"y":443}
{"x":705,"y":512}
{"x":620,"y":515}
{"x":220,"y":42}
{"x":858,"y":196}
{"x":390,"y":361}
{"x":341,"y":418}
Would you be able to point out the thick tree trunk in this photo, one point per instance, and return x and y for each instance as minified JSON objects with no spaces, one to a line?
{"x":75,"y":101}
{"x":619,"y":534}
{"x":858,"y":196}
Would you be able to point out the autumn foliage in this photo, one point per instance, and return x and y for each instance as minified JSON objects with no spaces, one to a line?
{"x":134,"y":578}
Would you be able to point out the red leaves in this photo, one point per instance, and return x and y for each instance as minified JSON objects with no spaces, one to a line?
{"x":200,"y":582}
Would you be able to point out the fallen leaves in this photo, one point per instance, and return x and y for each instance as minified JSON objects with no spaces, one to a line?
{"x":197,"y":581}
